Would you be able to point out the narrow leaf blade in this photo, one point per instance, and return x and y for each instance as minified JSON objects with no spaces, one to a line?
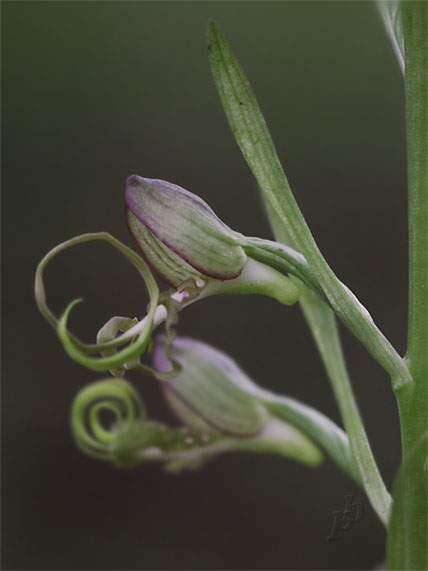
{"x":252,"y":135}
{"x":254,"y":140}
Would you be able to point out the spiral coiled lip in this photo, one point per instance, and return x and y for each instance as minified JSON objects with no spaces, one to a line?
{"x":131,"y":438}
{"x":90,"y":432}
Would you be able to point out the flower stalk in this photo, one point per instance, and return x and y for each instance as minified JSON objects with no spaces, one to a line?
{"x":416,"y":97}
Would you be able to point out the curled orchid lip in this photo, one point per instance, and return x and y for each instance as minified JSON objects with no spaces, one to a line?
{"x":132,"y":438}
{"x":138,"y":336}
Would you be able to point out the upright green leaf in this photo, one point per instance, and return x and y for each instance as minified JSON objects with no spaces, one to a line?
{"x":254,"y":140}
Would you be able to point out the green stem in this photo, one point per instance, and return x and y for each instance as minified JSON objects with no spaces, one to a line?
{"x":414,"y":401}
{"x":408,"y":533}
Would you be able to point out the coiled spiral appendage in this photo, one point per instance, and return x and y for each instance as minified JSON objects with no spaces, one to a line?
{"x":109,"y":422}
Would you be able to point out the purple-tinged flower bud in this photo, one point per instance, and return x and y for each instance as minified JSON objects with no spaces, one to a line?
{"x":179,"y":233}
{"x":211,"y":394}
{"x":184,"y":241}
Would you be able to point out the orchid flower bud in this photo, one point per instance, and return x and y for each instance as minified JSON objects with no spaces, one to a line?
{"x":208,"y":392}
{"x":218,"y":407}
{"x":133,"y":438}
{"x":185,"y":224}
{"x":211,"y":395}
{"x":184,"y":241}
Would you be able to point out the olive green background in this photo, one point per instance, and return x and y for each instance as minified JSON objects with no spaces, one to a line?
{"x":96,"y":91}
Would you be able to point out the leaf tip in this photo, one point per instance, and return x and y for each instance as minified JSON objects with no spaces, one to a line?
{"x":213,"y":34}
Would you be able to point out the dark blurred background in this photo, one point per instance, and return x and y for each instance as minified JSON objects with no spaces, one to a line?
{"x":96,"y":91}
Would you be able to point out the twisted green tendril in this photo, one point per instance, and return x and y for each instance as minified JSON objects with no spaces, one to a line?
{"x":139,"y":334}
{"x":115,"y":396}
{"x":130,"y":438}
